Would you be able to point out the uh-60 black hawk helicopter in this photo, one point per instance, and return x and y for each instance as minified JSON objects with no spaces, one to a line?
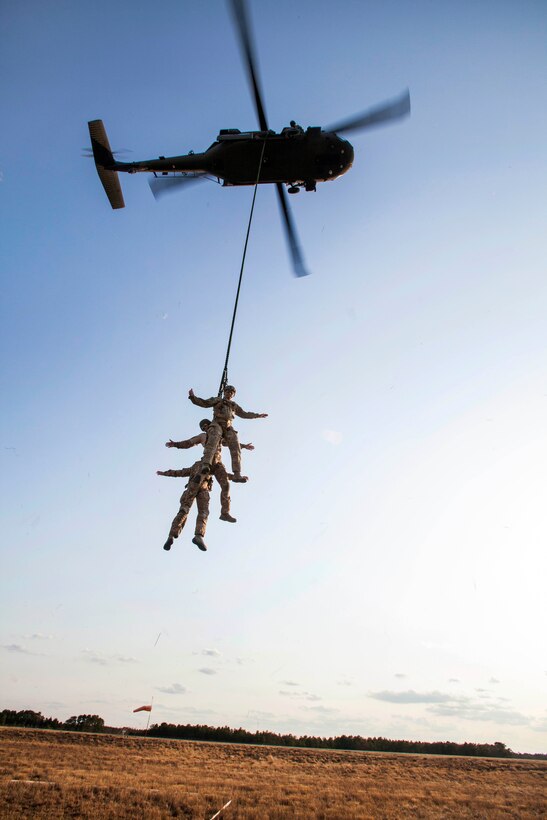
{"x":295,"y":157}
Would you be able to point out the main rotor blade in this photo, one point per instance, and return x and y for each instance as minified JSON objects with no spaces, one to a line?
{"x":290,"y":231}
{"x":89,"y":152}
{"x":166,"y":185}
{"x":239,"y":11}
{"x":393,"y":110}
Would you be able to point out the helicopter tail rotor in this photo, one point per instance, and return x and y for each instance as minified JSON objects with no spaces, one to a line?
{"x":105,"y":164}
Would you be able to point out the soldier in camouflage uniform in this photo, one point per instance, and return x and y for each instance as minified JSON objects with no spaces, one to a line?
{"x":225,"y":410}
{"x":218,"y":470}
{"x":199,"y":488}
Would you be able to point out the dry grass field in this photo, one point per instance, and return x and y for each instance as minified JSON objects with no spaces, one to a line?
{"x":62,"y":774}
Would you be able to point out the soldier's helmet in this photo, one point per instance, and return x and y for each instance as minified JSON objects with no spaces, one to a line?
{"x":229,"y":388}
{"x":204,"y":424}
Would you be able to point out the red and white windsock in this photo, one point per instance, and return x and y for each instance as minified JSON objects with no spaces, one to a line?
{"x":143,"y":709}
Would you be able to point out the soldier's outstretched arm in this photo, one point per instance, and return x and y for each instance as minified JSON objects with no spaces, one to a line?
{"x":184,"y":473}
{"x":248,"y":446}
{"x":202,"y":402}
{"x":243,"y":414}
{"x":186,"y":443}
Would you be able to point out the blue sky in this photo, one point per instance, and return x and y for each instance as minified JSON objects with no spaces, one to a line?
{"x":386,"y":572}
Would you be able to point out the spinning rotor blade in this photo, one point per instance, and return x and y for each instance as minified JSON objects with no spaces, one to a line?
{"x":239,"y":11}
{"x":165,"y":185}
{"x":393,"y":110}
{"x":88,"y":152}
{"x":290,"y":231}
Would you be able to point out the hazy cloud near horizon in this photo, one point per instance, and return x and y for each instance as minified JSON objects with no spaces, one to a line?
{"x":410,"y":696}
{"x":299,"y":695}
{"x":174,"y":689}
{"x":186,"y":710}
{"x":91,"y":656}
{"x":443,"y":704}
{"x":323,"y":710}
{"x":16,"y":647}
{"x":466,"y":709}
{"x":206,"y":670}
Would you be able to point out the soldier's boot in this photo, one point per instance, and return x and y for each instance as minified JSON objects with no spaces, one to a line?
{"x":168,"y":544}
{"x":228,"y":517}
{"x":199,"y":542}
{"x":238,"y":478}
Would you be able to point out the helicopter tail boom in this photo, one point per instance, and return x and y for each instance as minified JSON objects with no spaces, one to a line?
{"x":105,"y":163}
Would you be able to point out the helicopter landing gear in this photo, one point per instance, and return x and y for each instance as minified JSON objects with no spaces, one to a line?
{"x":293,"y":189}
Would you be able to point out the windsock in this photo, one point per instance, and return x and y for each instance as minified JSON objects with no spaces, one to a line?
{"x":143,"y":709}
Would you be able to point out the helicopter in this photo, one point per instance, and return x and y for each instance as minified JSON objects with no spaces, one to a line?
{"x":294,"y":158}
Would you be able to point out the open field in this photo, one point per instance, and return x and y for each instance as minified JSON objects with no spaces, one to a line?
{"x":64,"y":774}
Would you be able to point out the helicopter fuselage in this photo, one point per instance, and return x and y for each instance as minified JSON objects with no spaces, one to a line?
{"x":293,"y":156}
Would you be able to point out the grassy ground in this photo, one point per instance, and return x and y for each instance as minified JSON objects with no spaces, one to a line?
{"x":62,"y":774}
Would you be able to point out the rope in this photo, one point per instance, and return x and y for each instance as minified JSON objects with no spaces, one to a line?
{"x":224,"y":379}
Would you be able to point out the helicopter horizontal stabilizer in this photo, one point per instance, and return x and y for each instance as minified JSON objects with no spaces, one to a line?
{"x":102,"y":154}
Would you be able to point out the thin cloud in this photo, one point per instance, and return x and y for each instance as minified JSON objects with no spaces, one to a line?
{"x":17,"y":648}
{"x":186,"y":710}
{"x":442,"y":704}
{"x":206,"y":670}
{"x":174,"y":689}
{"x":344,"y":682}
{"x":289,"y":683}
{"x":453,"y":680}
{"x":92,"y":657}
{"x":332,"y":436}
{"x":468,"y":710}
{"x":299,"y":695}
{"x":322,"y":710}
{"x":99,"y":658}
{"x":212,"y":653}
{"x":38,"y":636}
{"x":493,"y":680}
{"x":400,"y":675}
{"x":410,"y":696}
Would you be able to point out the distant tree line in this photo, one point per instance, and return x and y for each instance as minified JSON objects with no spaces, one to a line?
{"x":35,"y":720}
{"x":225,"y":734}
{"x":93,"y":723}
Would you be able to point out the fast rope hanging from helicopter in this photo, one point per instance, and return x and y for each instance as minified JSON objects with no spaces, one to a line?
{"x":224,"y":378}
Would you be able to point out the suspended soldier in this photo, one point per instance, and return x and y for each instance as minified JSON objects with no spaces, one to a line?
{"x":225,"y":410}
{"x":218,"y":470}
{"x":198,"y":488}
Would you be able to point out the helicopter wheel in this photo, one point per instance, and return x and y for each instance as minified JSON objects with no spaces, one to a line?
{"x":293,"y":189}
